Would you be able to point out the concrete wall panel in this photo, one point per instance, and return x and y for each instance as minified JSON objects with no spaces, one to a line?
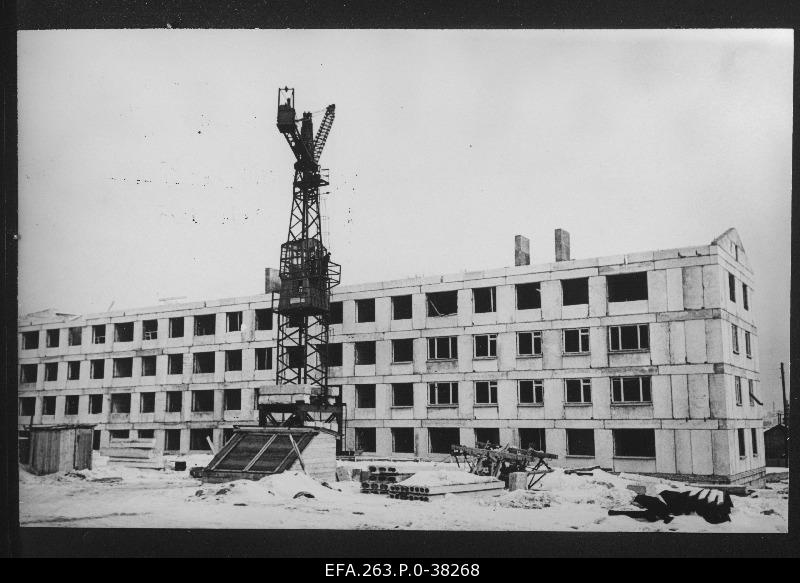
{"x":699,"y":404}
{"x":693,"y":287}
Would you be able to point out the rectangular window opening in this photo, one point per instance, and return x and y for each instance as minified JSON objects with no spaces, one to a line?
{"x":442,"y":303}
{"x":147,"y":402}
{"x":365,"y":352}
{"x":754,"y":440}
{"x":175,"y":363}
{"x":484,"y":299}
{"x":741,"y":440}
{"x":575,"y":292}
{"x":402,"y":395}
{"x":631,"y":390}
{"x":487,"y":436}
{"x":486,"y":392}
{"x":176,"y":327}
{"x":529,"y":343}
{"x":403,"y":439}
{"x":365,"y":396}
{"x":336,"y":313}
{"x":531,"y":392}
{"x":123,"y":332}
{"x":174,"y":402}
{"x":48,"y":406}
{"x":205,"y":325}
{"x":52,"y":338}
{"x":630,"y":337}
{"x":27,"y":406}
{"x":442,"y":438}
{"x":74,"y":336}
{"x":99,"y":334}
{"x":634,"y":443}
{"x":578,"y":390}
{"x":485,"y":345}
{"x":737,"y":388}
{"x":123,"y":367}
{"x":365,"y":439}
{"x":233,"y":399}
{"x":532,"y":438}
{"x":627,"y":287}
{"x":401,"y":307}
{"x":30,"y":340}
{"x":97,"y":369}
{"x":264,"y":319}
{"x":71,"y":403}
{"x":264,"y":358}
{"x":172,"y":440}
{"x":403,"y":350}
{"x":365,"y":310}
{"x":199,"y":439}
{"x":443,"y":348}
{"x":95,"y":404}
{"x":529,"y":296}
{"x":121,"y":403}
{"x":576,"y":341}
{"x":148,"y":366}
{"x":580,"y":442}
{"x":204,"y":362}
{"x":443,"y":393}
{"x":28,"y":373}
{"x":73,"y":370}
{"x":202,"y":401}
{"x":233,"y":360}
{"x":233,"y":321}
{"x":50,"y":371}
{"x":150,"y":330}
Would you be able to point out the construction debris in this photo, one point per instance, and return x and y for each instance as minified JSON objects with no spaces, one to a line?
{"x":134,"y":453}
{"x":713,"y":505}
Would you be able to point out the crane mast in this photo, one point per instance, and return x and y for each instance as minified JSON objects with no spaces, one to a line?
{"x":307,"y":275}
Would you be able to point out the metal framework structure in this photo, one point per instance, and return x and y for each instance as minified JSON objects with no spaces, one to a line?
{"x":307,"y":276}
{"x":492,"y":460}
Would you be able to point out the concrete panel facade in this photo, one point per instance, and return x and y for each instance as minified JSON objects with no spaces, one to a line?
{"x":687,"y":361}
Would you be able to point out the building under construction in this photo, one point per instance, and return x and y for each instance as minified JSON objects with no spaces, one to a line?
{"x":645,"y":362}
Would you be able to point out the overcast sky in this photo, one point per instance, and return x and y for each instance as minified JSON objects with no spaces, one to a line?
{"x":150,"y":165}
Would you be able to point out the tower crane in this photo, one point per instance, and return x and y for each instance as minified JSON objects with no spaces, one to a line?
{"x":307,"y":275}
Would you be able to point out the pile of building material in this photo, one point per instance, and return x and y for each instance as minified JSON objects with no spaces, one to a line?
{"x":134,"y":453}
{"x":378,"y":479}
{"x":431,"y":484}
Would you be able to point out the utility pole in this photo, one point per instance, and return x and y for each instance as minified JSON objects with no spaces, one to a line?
{"x":785,"y":402}
{"x":785,"y":415}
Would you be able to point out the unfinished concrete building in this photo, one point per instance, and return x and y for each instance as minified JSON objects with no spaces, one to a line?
{"x":645,"y":362}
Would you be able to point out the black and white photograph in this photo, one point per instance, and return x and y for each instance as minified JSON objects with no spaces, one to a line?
{"x":405,"y":280}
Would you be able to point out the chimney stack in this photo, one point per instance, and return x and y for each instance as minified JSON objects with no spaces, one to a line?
{"x":562,"y":245}
{"x":272,"y":281}
{"x":522,"y":250}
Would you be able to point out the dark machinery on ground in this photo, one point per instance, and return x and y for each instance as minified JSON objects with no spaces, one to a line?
{"x":492,"y":460}
{"x":307,"y":275}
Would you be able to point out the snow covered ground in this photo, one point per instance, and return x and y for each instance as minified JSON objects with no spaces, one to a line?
{"x":118,"y":496}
